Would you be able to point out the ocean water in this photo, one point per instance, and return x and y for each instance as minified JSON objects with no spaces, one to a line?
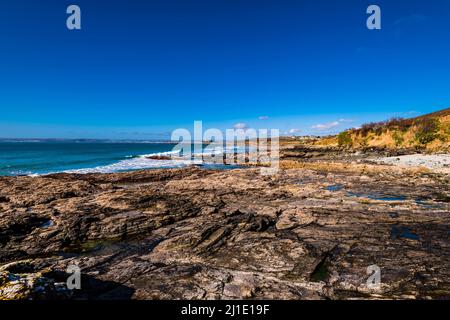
{"x":36,"y":158}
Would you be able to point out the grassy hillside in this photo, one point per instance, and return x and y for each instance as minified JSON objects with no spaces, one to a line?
{"x":429,"y":132}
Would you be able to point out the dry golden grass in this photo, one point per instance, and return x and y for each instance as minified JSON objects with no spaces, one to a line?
{"x":397,"y":136}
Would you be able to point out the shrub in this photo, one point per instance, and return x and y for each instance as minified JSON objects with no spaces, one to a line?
{"x":400,"y":124}
{"x":379,"y":130}
{"x":394,"y":122}
{"x":380,"y":127}
{"x":427,"y":130}
{"x":366,"y":128}
{"x":344,"y":139}
{"x":446,"y":129}
{"x":375,"y":127}
{"x":443,"y":137}
{"x":398,"y":138}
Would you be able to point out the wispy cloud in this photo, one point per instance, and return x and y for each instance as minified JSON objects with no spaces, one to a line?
{"x":263,"y":117}
{"x":294,"y":131}
{"x":240,"y":125}
{"x":291,"y":132}
{"x":330,"y":125}
{"x":326,"y":126}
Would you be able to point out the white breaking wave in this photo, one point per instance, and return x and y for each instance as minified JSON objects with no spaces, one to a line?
{"x":143,"y":162}
{"x":159,"y":154}
{"x":134,"y":164}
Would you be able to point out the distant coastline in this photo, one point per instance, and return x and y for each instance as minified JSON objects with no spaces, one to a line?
{"x":83,"y":140}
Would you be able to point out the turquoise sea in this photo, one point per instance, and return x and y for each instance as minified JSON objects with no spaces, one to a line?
{"x":35,"y":158}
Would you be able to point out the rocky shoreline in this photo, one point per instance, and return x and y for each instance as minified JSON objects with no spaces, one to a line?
{"x":435,"y":162}
{"x":308,"y":232}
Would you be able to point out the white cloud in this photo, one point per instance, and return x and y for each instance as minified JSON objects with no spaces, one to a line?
{"x":330,"y":125}
{"x":326,"y":126}
{"x":240,"y":125}
{"x":263,"y":117}
{"x":290,"y":132}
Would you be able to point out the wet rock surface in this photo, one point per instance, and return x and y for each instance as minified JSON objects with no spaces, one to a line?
{"x":204,"y":234}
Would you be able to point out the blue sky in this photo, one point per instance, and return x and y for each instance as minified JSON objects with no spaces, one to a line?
{"x":139,"y":69}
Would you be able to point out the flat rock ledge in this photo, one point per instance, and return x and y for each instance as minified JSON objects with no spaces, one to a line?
{"x":194,"y":233}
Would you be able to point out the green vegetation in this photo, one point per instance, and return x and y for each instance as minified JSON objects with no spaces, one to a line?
{"x":445,"y":135}
{"x":344,"y":139}
{"x":430,"y":131}
{"x":446,"y":129}
{"x":398,"y":138}
{"x":427,"y":130}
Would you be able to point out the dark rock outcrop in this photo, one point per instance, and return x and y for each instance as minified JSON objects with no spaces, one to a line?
{"x":197,"y":234}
